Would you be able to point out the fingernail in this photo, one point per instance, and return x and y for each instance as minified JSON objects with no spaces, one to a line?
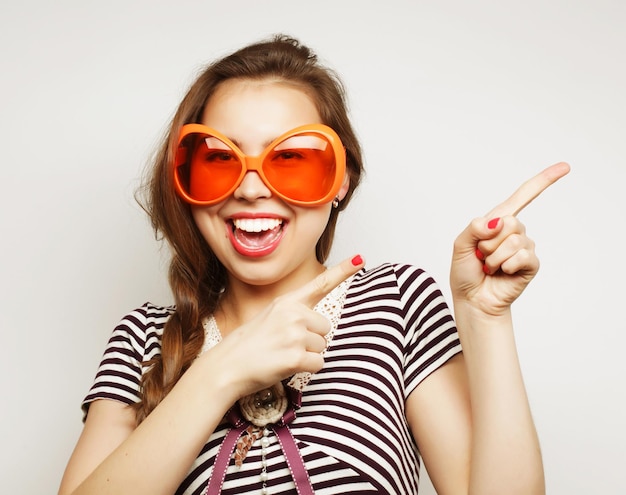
{"x":479,"y":254}
{"x":485,"y":270}
{"x":493,"y":223}
{"x":357,"y":260}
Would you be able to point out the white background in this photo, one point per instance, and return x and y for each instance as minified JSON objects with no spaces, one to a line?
{"x":456,"y":104}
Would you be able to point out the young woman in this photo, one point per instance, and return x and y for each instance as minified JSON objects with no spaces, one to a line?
{"x":275,"y":374}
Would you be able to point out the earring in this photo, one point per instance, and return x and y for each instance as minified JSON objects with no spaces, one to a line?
{"x":336,"y":202}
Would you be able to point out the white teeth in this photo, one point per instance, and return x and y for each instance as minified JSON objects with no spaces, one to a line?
{"x":256,"y":224}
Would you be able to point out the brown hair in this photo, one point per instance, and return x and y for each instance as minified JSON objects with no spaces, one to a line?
{"x":196,"y":276}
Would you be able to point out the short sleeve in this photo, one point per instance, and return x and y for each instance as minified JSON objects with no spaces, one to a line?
{"x":431,"y":337}
{"x":135,"y":340}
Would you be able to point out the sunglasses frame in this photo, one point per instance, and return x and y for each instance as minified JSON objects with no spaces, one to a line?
{"x":255,"y":163}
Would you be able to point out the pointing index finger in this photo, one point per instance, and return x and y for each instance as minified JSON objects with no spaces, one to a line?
{"x":529,"y":190}
{"x":314,"y":291}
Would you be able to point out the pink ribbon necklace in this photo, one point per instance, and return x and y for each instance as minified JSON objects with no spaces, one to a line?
{"x":252,"y":418}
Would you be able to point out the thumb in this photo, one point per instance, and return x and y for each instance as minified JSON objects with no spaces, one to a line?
{"x":314,"y":291}
{"x":478,"y":230}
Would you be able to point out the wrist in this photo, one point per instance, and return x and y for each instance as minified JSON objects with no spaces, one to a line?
{"x":213,"y":384}
{"x":481,"y":313}
{"x":483,"y":332}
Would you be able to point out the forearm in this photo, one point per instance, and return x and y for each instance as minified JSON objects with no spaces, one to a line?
{"x":506,"y":457}
{"x":157,"y":455}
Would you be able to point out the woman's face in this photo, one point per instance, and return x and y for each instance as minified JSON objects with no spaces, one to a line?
{"x":261,"y":239}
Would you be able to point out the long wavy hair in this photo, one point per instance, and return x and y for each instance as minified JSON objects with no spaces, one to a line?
{"x":196,"y":276}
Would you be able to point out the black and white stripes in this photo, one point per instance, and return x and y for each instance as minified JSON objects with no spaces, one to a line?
{"x":395,"y":329}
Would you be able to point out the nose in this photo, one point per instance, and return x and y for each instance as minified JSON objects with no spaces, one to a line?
{"x":252,"y":188}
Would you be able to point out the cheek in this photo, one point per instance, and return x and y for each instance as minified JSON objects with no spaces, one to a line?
{"x":209,"y":223}
{"x":315,"y":222}
{"x":198,"y":214}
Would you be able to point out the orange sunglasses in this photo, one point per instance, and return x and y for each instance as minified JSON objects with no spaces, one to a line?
{"x":305,"y":166}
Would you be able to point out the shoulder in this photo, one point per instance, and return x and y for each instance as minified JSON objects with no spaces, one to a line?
{"x":142,"y":325}
{"x":391,"y":278}
{"x":147,"y":316}
{"x":402,"y":288}
{"x":134,"y":342}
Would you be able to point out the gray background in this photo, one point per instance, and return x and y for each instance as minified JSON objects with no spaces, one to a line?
{"x":456,"y":103}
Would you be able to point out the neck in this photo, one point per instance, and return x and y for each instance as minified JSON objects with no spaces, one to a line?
{"x":242,"y":301}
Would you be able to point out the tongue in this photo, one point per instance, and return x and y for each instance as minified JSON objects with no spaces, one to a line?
{"x":255,"y":240}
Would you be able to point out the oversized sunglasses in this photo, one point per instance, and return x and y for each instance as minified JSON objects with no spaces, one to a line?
{"x":305,"y":166}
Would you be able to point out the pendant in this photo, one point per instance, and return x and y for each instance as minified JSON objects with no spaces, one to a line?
{"x":266,"y":406}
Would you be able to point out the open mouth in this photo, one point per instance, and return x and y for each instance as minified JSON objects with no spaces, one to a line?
{"x":256,"y":236}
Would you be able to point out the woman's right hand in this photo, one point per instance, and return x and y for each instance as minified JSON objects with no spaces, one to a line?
{"x":287,"y":337}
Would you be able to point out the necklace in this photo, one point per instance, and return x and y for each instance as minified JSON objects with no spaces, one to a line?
{"x":255,"y":416}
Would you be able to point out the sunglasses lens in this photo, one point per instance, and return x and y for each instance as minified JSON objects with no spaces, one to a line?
{"x":207,"y":168}
{"x":302,"y":167}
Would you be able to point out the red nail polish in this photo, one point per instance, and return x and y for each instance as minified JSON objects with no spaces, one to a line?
{"x":479,"y":254}
{"x":486,"y":270}
{"x":493,"y":223}
{"x":357,"y":260}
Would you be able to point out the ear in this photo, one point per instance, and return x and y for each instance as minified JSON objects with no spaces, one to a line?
{"x":343,"y":190}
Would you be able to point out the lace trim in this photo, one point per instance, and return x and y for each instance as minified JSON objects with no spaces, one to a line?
{"x":330,"y":307}
{"x":212,"y":335}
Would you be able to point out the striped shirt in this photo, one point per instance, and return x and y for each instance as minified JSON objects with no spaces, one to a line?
{"x":395,"y":329}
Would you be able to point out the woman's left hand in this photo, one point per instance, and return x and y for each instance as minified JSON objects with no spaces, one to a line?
{"x":493,"y":259}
